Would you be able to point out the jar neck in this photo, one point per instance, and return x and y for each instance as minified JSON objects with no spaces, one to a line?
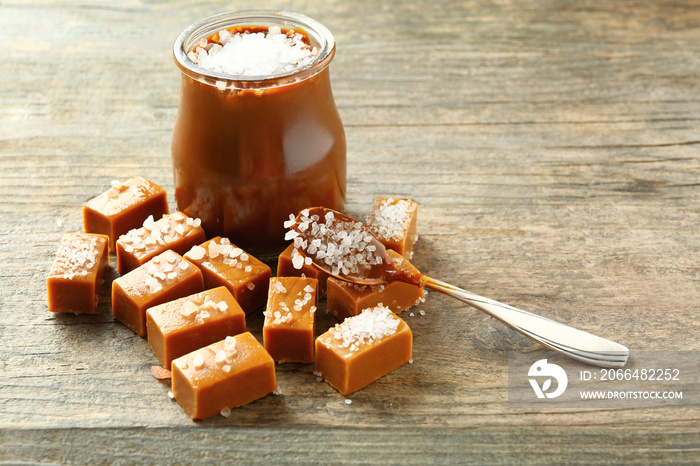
{"x":318,"y":36}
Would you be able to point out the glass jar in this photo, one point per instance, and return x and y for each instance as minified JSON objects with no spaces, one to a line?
{"x":249,"y":151}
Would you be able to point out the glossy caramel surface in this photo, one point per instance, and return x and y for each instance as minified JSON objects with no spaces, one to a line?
{"x":225,"y":264}
{"x":243,"y":160}
{"x":165,"y":277}
{"x":290,"y":316}
{"x":216,"y":377}
{"x":178,"y":327}
{"x":124,"y":207}
{"x":75,"y":281}
{"x":349,"y":368}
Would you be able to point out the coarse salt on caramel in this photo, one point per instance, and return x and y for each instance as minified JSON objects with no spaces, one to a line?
{"x":254,"y":53}
{"x":394,"y":223}
{"x":288,"y":329}
{"x":370,"y":325}
{"x":341,"y":245}
{"x":362,"y":349}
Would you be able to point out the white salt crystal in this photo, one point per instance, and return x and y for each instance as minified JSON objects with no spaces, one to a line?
{"x":148,"y":223}
{"x":153,"y":285}
{"x":370,"y":325}
{"x":254,"y":54}
{"x":390,"y":219}
{"x":213,"y":250}
{"x":198,"y":361}
{"x":290,"y":222}
{"x":230,"y":344}
{"x":220,"y":357}
{"x":279,"y":287}
{"x":188,"y":309}
{"x":196,"y":253}
{"x":298,"y":261}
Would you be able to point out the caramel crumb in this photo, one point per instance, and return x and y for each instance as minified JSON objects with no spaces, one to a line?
{"x":160,"y":373}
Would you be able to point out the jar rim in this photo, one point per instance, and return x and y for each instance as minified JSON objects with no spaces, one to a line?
{"x":318,"y":35}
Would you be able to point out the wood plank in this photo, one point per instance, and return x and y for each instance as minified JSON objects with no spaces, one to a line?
{"x":296,"y":445}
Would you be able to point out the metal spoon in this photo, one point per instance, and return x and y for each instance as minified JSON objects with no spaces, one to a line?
{"x":369,"y":264}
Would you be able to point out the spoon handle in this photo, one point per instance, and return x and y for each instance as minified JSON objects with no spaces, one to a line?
{"x":574,"y":343}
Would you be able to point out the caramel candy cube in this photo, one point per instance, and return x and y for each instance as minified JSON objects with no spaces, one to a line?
{"x":224,"y":264}
{"x":181,"y":326}
{"x":77,"y":274}
{"x":362,"y":349}
{"x":394,"y":223}
{"x":164,"y":278}
{"x":291,"y":263}
{"x":124,"y":207}
{"x":176,"y":232}
{"x":224,"y":375}
{"x":349,"y":299}
{"x":288,"y":330}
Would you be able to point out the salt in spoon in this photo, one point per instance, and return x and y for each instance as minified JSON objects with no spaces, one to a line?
{"x":344,"y":248}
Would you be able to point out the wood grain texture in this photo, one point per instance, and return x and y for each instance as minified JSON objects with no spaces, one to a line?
{"x":554,"y":148}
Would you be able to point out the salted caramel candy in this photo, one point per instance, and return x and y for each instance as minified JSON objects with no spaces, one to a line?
{"x":347,"y":299}
{"x":124,"y":207}
{"x":164,"y":278}
{"x":222,"y":376}
{"x":362,"y":349}
{"x":183,"y":325}
{"x":77,"y":274}
{"x":394,"y":223}
{"x":288,"y":330}
{"x":291,"y":263}
{"x":224,"y":264}
{"x":177,"y":232}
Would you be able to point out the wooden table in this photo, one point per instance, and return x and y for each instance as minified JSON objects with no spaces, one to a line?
{"x":553,"y":147}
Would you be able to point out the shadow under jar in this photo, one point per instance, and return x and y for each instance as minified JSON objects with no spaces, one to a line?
{"x":249,"y":150}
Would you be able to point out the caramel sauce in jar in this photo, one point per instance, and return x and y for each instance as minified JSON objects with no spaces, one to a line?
{"x":248,"y":151}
